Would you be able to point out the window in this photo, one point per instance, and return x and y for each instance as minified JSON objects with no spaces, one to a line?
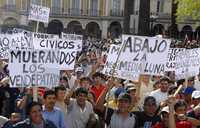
{"x":75,"y":7}
{"x":56,"y":6}
{"x":116,"y":7}
{"x":94,"y":8}
{"x":37,"y":2}
{"x":160,"y":6}
{"x":10,"y":2}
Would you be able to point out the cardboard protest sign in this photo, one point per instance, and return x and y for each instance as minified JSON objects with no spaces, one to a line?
{"x":187,"y":63}
{"x":140,"y":55}
{"x":171,"y":58}
{"x":125,"y":69}
{"x":34,"y":68}
{"x":13,"y":41}
{"x":67,"y":59}
{"x":151,"y":52}
{"x":78,"y":39}
{"x":39,"y":13}
{"x":67,"y":48}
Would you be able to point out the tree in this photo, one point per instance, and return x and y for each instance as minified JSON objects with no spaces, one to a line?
{"x":188,"y":9}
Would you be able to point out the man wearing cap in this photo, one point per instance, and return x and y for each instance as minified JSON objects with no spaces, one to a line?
{"x":195,"y":112}
{"x":161,"y":94}
{"x":187,"y":95}
{"x":121,"y":117}
{"x":131,"y":90}
{"x":148,"y":117}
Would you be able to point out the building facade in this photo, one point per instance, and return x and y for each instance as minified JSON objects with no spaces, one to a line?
{"x":94,"y":18}
{"x":161,"y":20}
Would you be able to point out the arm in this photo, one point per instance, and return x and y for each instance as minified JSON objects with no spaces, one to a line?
{"x":100,"y":101}
{"x":172,"y":123}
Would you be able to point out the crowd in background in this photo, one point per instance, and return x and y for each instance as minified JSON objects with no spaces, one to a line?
{"x":85,"y":98}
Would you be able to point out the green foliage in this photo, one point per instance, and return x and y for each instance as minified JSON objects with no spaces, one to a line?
{"x":188,"y":9}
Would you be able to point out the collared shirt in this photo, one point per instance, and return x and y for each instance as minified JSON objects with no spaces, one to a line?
{"x":78,"y":117}
{"x":56,"y":116}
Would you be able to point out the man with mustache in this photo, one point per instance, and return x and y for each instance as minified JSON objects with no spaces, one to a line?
{"x":52,"y":113}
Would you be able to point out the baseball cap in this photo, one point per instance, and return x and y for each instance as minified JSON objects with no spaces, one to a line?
{"x":188,"y":90}
{"x":79,"y":69}
{"x":196,"y":94}
{"x":124,"y":96}
{"x":165,"y":109}
{"x":130,"y":87}
{"x":119,"y":91}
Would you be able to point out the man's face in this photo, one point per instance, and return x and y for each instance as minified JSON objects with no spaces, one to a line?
{"x":196,"y":101}
{"x":150,"y":108}
{"x":97,"y":79}
{"x":181,"y":110}
{"x":132,"y":93}
{"x":164,"y":85}
{"x":50,"y":101}
{"x":85,"y":84}
{"x":81,"y":99}
{"x":61,"y":95}
{"x":123,"y":105}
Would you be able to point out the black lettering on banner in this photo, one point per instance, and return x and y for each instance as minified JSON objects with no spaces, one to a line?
{"x":137,"y":44}
{"x":67,"y":57}
{"x":162,"y":46}
{"x":115,"y":49}
{"x":154,"y":68}
{"x":16,"y":55}
{"x":4,"y":42}
{"x":146,"y":46}
{"x":128,"y":44}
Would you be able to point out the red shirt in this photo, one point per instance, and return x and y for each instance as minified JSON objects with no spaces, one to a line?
{"x":179,"y":124}
{"x":97,"y":91}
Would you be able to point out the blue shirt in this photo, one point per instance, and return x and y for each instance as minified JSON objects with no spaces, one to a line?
{"x":56,"y":116}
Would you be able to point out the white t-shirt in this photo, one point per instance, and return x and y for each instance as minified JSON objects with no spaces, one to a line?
{"x":76,"y":117}
{"x":118,"y":121}
{"x":159,"y":96}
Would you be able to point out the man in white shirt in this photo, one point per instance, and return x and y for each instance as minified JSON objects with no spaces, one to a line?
{"x":161,"y":94}
{"x":79,"y":109}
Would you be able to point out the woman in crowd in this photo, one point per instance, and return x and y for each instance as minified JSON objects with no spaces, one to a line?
{"x":35,"y":119}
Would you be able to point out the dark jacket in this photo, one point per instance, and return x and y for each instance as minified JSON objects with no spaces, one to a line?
{"x":27,"y":124}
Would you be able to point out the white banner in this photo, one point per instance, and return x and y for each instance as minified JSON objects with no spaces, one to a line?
{"x":13,"y":41}
{"x":39,"y":13}
{"x":68,"y":49}
{"x":187,"y":63}
{"x":125,"y":69}
{"x":77,"y":39}
{"x":140,"y":55}
{"x":171,"y":58}
{"x":34,"y":68}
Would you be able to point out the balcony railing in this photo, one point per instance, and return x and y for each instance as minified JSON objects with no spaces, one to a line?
{"x":93,"y":12}
{"x":75,"y":12}
{"x":116,"y":12}
{"x":55,"y":11}
{"x":9,"y":8}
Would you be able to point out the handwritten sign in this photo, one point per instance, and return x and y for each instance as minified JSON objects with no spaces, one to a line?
{"x":39,"y":13}
{"x":34,"y":68}
{"x":171,"y":58}
{"x":13,"y":41}
{"x":187,"y":63}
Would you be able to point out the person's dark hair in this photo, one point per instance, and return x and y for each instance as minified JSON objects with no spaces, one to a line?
{"x":172,"y":89}
{"x":180,"y":103}
{"x":81,"y":90}
{"x":96,"y":75}
{"x":85,"y":79}
{"x":48,"y":92}
{"x":64,"y":78}
{"x":31,"y":105}
{"x":165,"y":78}
{"x":149,"y":99}
{"x":62,"y":88}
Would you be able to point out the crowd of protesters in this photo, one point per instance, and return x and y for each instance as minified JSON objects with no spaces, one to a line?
{"x":85,"y":98}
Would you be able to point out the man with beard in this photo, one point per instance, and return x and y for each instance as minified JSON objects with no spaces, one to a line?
{"x":52,"y":113}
